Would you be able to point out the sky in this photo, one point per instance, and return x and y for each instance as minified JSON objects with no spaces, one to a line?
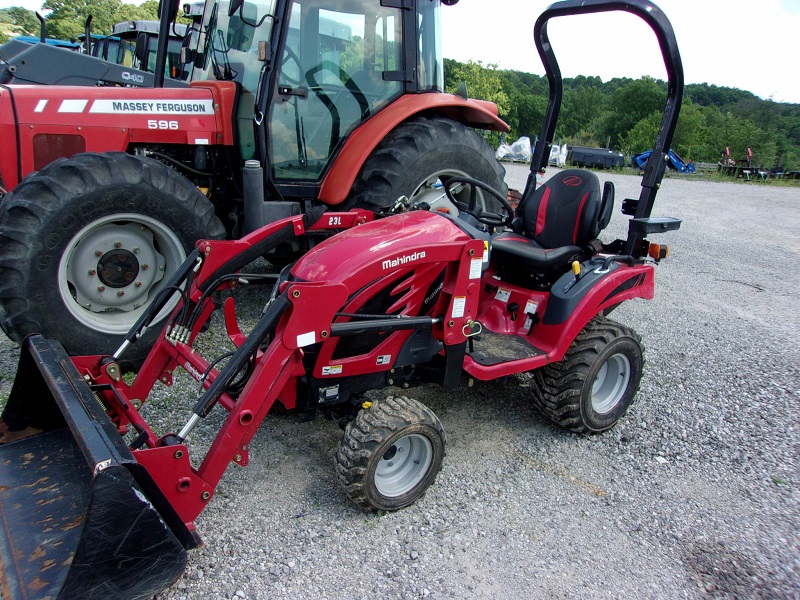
{"x":753,"y":46}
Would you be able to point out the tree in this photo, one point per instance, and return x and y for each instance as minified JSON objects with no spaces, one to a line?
{"x":483,"y":83}
{"x":66,"y":21}
{"x":24,"y":21}
{"x":580,"y":110}
{"x":630,"y":103}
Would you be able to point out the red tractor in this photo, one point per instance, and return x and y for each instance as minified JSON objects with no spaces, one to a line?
{"x":97,"y":503}
{"x":291,"y":105}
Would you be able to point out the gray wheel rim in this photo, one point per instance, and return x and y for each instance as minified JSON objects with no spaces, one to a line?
{"x":610,"y":383}
{"x":136,"y":253}
{"x":403,"y":465}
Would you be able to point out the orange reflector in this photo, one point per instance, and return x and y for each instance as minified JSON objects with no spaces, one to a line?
{"x":443,"y":209}
{"x":658,"y":251}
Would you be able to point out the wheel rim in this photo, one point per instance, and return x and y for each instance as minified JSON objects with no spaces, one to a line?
{"x":403,"y":465}
{"x":611,"y":383}
{"x":114,"y":267}
{"x":431,"y":190}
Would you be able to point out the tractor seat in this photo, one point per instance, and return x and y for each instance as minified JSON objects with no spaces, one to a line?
{"x":555,"y":224}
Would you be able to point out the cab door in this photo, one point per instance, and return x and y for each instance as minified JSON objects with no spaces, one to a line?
{"x":339,"y":66}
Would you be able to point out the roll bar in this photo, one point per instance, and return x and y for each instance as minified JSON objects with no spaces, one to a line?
{"x":658,"y":22}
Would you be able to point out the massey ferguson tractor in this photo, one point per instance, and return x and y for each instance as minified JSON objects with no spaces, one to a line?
{"x":434,"y":288}
{"x":290,"y":106}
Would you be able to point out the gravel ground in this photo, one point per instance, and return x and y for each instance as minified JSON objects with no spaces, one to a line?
{"x":693,"y":495}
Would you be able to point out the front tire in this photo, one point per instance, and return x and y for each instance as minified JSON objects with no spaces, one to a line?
{"x":420,"y":155}
{"x":595,"y":383}
{"x":88,"y":242}
{"x":390,"y":454}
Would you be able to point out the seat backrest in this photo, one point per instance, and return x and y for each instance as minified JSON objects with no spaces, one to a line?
{"x":567,"y":210}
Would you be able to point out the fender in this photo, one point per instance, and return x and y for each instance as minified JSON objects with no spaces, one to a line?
{"x":568,"y":308}
{"x":572,"y":305}
{"x":361,"y":143}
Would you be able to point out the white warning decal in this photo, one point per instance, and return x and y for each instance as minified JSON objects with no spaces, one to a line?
{"x":459,"y":304}
{"x":475,"y":266}
{"x":153,"y":107}
{"x":332,"y":370}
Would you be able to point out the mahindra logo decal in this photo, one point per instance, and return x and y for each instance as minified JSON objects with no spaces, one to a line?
{"x":572,"y":181}
{"x":401,"y":260}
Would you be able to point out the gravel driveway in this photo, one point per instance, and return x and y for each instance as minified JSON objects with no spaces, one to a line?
{"x":693,"y":495}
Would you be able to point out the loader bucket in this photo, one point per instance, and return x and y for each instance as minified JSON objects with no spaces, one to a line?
{"x":76,"y":523}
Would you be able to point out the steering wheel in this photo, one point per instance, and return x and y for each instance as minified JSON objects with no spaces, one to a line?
{"x":487,"y":218}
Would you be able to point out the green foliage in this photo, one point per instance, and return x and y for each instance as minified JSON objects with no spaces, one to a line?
{"x":66,"y":21}
{"x":628,"y":113}
{"x":24,"y":21}
{"x":483,"y":83}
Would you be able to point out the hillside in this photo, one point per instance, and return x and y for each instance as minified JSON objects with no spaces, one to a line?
{"x":624,"y":114}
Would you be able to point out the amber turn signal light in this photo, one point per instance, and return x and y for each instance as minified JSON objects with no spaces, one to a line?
{"x":658,"y":251}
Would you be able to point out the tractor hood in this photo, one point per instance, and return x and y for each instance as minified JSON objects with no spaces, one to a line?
{"x":380,"y":246}
{"x":56,"y":121}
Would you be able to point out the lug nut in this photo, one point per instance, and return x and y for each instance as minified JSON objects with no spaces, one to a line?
{"x":98,"y":253}
{"x":138,"y":284}
{"x":120,"y":293}
{"x":117,"y":244}
{"x":145,"y":267}
{"x":92,"y":272}
{"x":101,"y":288}
{"x":136,"y":250}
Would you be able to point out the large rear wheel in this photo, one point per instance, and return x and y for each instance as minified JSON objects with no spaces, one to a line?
{"x":390,"y":454}
{"x":593,"y":386}
{"x":88,"y":242}
{"x":418,"y":157}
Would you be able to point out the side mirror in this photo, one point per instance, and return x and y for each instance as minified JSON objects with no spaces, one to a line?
{"x":141,"y":49}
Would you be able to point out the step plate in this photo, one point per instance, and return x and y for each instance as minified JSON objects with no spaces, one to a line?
{"x":494,"y":348}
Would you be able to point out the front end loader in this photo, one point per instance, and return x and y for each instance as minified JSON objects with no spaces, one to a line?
{"x":95,"y":502}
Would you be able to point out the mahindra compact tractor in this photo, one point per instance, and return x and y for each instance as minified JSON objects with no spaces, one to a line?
{"x":96,"y":503}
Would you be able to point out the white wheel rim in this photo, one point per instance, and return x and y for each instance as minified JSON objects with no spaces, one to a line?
{"x":143,"y":253}
{"x":611,"y":383}
{"x":403,"y":465}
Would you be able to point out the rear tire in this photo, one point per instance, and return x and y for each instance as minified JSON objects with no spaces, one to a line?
{"x":412,"y":158}
{"x":390,"y":454}
{"x":141,"y":216}
{"x":595,"y":383}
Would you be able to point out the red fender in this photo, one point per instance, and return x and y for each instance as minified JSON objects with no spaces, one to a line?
{"x":361,"y":143}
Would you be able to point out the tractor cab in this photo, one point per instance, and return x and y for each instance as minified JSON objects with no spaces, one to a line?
{"x":338,"y":64}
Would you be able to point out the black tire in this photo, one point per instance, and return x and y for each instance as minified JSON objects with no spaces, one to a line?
{"x":107,"y":202}
{"x":595,"y":383}
{"x":390,"y":454}
{"x":421,"y":151}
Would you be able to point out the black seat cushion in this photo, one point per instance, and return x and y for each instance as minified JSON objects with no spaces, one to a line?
{"x":556,"y":221}
{"x":510,"y":246}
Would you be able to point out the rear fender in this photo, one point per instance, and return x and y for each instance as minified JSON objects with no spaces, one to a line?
{"x":574,"y":302}
{"x":361,"y":143}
